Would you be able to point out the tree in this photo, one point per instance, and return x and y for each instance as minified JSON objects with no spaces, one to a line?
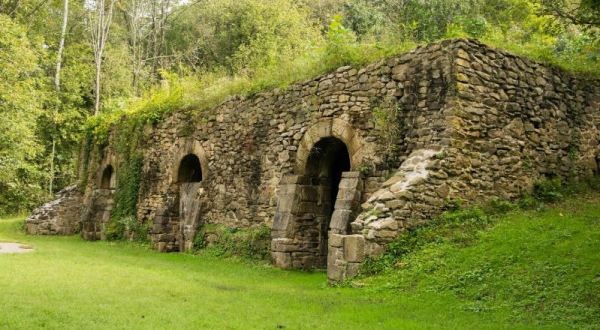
{"x":579,"y":12}
{"x":135,"y":14}
{"x":61,"y":47}
{"x":100,"y":19}
{"x":21,"y":98}
{"x":241,"y":35}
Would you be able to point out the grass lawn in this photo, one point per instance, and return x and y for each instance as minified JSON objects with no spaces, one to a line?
{"x":531,"y":270}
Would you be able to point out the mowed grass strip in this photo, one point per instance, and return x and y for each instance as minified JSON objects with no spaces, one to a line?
{"x":501,"y":280}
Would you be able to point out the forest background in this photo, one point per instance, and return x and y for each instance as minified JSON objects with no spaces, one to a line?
{"x":69,"y":69}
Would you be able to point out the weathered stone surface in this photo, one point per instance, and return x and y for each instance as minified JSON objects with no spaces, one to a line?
{"x":474,"y":123}
{"x":58,"y":217}
{"x":354,"y":248}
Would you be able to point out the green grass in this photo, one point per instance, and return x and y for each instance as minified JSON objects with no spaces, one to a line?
{"x":543,"y":266}
{"x":530,"y":270}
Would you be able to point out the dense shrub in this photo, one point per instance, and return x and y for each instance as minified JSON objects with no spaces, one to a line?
{"x":251,"y":243}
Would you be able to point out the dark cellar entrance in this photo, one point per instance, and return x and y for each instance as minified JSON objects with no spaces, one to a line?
{"x":189,"y":169}
{"x":306,"y":208}
{"x":328,"y":159}
{"x":107,"y":181}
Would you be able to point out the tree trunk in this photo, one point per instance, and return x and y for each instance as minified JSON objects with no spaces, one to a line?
{"x":61,"y":45}
{"x":61,"y":48}
{"x":102,"y":20}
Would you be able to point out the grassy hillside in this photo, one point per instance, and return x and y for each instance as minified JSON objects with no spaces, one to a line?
{"x":542,"y":265}
{"x":525,"y":269}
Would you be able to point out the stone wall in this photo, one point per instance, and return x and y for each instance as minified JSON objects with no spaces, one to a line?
{"x":510,"y":123}
{"x":246,"y":146}
{"x":340,"y":165}
{"x":58,"y":217}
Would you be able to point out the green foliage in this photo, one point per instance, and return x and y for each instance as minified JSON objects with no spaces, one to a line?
{"x":135,"y":287}
{"x":535,"y":263}
{"x":500,"y":206}
{"x":21,"y":97}
{"x":127,"y":227}
{"x":206,"y":51}
{"x":132,"y":114}
{"x":548,"y":190}
{"x":125,"y":201}
{"x":341,"y":43}
{"x":251,"y":243}
{"x":458,"y":227}
{"x":242,"y":35}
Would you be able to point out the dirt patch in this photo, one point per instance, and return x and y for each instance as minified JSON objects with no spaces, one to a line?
{"x":6,"y":248}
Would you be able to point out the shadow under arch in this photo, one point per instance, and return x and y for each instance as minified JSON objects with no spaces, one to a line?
{"x":107,"y":180}
{"x":98,"y":207}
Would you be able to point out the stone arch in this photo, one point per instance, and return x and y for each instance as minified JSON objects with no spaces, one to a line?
{"x":308,"y":208}
{"x":99,"y":206}
{"x":185,"y":203}
{"x":190,"y":154}
{"x":190,"y":169}
{"x":107,"y":180}
{"x":330,"y":128}
{"x":106,"y":175}
{"x":328,"y":159}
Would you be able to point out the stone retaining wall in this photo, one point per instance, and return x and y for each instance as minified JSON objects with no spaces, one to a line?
{"x":510,"y":123}
{"x":341,"y":164}
{"x":246,"y":145}
{"x":58,"y":217}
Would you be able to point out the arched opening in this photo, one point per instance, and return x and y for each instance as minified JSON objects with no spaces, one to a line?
{"x":190,"y":169}
{"x":107,"y":181}
{"x":185,"y":211}
{"x":328,"y":159}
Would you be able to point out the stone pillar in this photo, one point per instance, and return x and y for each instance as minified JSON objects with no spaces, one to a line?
{"x":346,"y":253}
{"x":296,"y":232}
{"x":282,"y":244}
{"x":190,"y":206}
{"x":347,"y":203}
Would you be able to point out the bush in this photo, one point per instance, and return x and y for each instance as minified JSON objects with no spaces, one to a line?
{"x":548,"y":190}
{"x":252,"y":243}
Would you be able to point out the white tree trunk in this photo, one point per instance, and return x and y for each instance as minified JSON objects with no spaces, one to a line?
{"x":102,"y":18}
{"x":59,"y":55}
{"x":61,"y":44}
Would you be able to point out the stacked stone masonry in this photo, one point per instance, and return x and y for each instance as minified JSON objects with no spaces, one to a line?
{"x":339,"y":165}
{"x":58,"y":217}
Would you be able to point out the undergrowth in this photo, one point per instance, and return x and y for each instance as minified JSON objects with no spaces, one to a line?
{"x":221,"y":241}
{"x":123,"y":222}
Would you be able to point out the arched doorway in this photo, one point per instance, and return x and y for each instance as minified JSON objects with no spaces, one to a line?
{"x":327,"y":160}
{"x":306,"y":204}
{"x":189,"y":182}
{"x":190,"y":169}
{"x":97,"y":213}
{"x":107,"y":180}
{"x":320,"y":197}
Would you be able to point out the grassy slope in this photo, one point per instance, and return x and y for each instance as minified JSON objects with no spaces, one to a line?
{"x":543,"y":266}
{"x":532,"y":269}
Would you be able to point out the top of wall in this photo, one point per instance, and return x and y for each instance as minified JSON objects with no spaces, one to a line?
{"x":448,"y":47}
